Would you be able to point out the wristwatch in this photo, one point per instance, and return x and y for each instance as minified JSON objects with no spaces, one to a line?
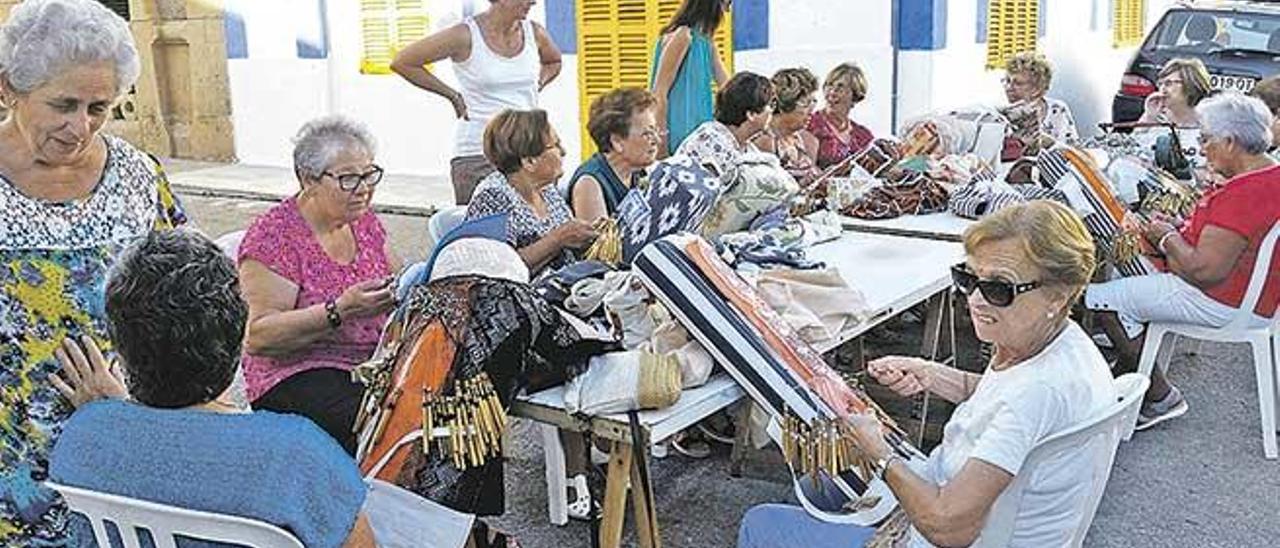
{"x":882,"y":464}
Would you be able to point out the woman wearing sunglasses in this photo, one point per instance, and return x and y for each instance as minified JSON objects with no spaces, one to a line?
{"x":1209,"y":257}
{"x":1024,"y":267}
{"x":316,"y":272}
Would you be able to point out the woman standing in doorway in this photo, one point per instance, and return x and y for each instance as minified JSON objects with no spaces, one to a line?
{"x":502,"y":60}
{"x":684,"y":63}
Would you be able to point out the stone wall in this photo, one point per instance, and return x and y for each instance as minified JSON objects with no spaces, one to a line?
{"x":181,"y":105}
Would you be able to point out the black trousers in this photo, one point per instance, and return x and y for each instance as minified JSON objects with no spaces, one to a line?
{"x":326,"y":396}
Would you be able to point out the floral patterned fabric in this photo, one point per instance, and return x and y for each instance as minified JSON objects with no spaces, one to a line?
{"x":678,"y":197}
{"x":496,"y":196}
{"x":759,"y":186}
{"x":713,"y":145}
{"x":54,"y":258}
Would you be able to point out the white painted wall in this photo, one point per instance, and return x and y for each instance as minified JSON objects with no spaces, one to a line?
{"x":274,"y":93}
{"x":1087,"y":69}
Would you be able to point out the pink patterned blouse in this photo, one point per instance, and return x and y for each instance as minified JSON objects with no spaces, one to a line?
{"x":283,"y":241}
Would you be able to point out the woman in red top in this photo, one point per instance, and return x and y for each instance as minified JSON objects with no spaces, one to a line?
{"x":838,"y":135}
{"x":1210,"y":258}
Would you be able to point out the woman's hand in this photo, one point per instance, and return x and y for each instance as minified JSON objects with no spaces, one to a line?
{"x":87,"y":377}
{"x":868,"y":435}
{"x":1157,"y":227}
{"x":459,"y":106}
{"x":1154,"y":107}
{"x":367,"y":299}
{"x":903,"y":375}
{"x":575,"y":234}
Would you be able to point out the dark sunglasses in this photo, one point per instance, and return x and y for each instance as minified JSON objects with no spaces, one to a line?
{"x":351,"y":181}
{"x":997,"y":292}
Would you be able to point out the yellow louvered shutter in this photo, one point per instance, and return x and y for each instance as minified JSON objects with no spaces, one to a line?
{"x":387,"y":26}
{"x":1128,"y":17}
{"x":616,"y":39}
{"x":1012,"y":28}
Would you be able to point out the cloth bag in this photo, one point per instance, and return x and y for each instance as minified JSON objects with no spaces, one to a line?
{"x":817,"y":303}
{"x":618,"y":382}
{"x":760,"y":185}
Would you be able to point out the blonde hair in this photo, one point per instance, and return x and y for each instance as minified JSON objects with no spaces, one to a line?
{"x":1195,"y":78}
{"x":1034,"y":65}
{"x":1052,"y":237}
{"x":852,"y":74}
{"x":514,"y":135}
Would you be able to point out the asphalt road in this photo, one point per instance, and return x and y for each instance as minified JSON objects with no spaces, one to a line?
{"x":1197,"y":481}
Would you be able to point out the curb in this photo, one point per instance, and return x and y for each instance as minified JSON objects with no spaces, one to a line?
{"x":209,"y":192}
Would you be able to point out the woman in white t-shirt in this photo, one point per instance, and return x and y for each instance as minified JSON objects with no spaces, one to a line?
{"x":1025,"y":266}
{"x":501,"y":59}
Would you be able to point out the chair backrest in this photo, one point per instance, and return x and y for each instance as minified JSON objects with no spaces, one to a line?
{"x":1098,"y":437}
{"x":442,"y":222}
{"x":1257,"y":281}
{"x":229,"y":243}
{"x":132,"y":515}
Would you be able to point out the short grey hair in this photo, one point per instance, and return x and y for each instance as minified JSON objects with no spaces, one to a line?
{"x":43,"y":38}
{"x":1245,"y":120}
{"x":320,"y":140}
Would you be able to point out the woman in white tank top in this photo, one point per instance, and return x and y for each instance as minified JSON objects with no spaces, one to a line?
{"x":501,"y":60}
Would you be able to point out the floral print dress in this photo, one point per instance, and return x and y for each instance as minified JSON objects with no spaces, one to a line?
{"x":54,"y":258}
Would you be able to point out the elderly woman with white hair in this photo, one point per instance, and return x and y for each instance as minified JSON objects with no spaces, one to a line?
{"x":317,"y":271}
{"x":72,"y":198}
{"x":1208,"y":257}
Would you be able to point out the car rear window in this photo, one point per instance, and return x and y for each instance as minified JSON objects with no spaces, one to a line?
{"x":1205,"y":31}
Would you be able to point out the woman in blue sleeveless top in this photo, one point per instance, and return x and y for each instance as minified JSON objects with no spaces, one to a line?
{"x":684,"y":63}
{"x":623,"y":125}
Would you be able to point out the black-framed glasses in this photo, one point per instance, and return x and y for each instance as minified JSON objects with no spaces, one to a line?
{"x":351,"y":181}
{"x":997,"y":292}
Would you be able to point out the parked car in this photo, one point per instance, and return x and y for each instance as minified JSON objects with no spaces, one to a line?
{"x":1238,"y":41}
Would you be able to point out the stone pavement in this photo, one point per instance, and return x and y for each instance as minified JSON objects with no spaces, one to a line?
{"x":1196,"y":481}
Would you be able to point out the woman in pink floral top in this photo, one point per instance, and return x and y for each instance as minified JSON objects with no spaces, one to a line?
{"x":316,"y":272}
{"x":838,"y":135}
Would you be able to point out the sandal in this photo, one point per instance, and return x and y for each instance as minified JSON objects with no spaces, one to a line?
{"x":484,"y":537}
{"x":691,"y":447}
{"x":582,"y":506}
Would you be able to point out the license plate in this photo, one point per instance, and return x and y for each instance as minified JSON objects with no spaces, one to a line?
{"x":1242,"y":84}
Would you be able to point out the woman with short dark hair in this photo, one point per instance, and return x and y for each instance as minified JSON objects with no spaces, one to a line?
{"x":626,"y":133}
{"x":744,"y":107}
{"x":529,"y":157}
{"x":175,"y":313}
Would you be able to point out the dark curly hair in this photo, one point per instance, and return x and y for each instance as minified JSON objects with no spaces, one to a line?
{"x":176,"y":317}
{"x":745,"y":92}
{"x":611,"y":114}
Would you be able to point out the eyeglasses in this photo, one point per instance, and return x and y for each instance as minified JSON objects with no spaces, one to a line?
{"x":652,"y":133}
{"x":1014,"y":82}
{"x":351,"y":181}
{"x":997,"y":292}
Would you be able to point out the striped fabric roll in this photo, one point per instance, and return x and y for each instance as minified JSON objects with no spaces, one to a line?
{"x":780,"y":372}
{"x":1087,"y":191}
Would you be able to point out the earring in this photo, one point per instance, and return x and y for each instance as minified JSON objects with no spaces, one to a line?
{"x":1049,"y":315}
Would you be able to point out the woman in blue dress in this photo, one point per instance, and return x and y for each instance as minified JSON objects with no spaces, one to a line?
{"x":684,"y":63}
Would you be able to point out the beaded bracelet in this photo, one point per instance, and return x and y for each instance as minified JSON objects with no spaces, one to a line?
{"x":331,"y":314}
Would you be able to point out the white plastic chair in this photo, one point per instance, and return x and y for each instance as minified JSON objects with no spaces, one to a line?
{"x":442,"y":222}
{"x":229,"y":243}
{"x":1099,"y":436}
{"x":1264,"y":341}
{"x":163,"y":521}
